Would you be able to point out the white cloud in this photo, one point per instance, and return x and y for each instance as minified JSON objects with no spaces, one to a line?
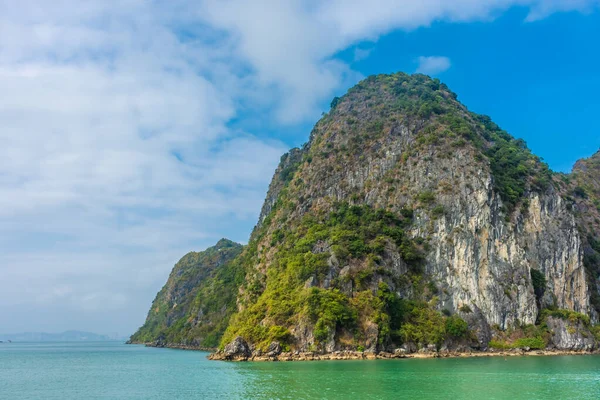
{"x":117,"y":152}
{"x":114,"y":156}
{"x":542,"y":9}
{"x":433,"y":65}
{"x":288,"y":45}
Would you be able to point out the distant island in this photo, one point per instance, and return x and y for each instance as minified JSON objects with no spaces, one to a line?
{"x":67,"y":336}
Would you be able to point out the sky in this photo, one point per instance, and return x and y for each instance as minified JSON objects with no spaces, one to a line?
{"x":135,"y":131}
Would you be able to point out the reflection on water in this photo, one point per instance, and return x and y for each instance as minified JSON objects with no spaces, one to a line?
{"x":116,"y":371}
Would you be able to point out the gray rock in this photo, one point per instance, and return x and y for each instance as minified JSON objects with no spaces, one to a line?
{"x":257,"y":353}
{"x":478,"y":325}
{"x":238,"y":349}
{"x":568,"y":335}
{"x":274,"y":349}
{"x":430,"y":348}
{"x":372,"y":335}
{"x":409,"y":347}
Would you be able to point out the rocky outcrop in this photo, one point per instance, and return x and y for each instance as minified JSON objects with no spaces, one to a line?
{"x":480,"y":328}
{"x":482,"y":260}
{"x":285,"y":171}
{"x":570,"y":335}
{"x":237,"y":350}
{"x":274,"y":349}
{"x":582,"y":189}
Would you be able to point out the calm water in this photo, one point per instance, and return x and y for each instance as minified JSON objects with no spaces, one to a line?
{"x":117,"y":371}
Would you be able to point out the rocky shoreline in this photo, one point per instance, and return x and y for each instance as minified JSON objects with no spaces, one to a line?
{"x":239,"y":350}
{"x":356,"y":355}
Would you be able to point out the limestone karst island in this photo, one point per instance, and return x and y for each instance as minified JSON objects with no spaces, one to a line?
{"x":299,"y":199}
{"x":405,"y":226}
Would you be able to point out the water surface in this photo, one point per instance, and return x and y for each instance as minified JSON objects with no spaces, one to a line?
{"x":110,"y":370}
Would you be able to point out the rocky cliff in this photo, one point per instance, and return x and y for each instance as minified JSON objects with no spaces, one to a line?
{"x":407,"y":220}
{"x":581,"y":189}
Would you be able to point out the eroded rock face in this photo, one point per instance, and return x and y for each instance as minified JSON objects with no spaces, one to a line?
{"x":478,"y":325}
{"x":478,"y":256}
{"x":274,"y":349}
{"x":237,"y":350}
{"x":583,"y":187}
{"x":372,"y":333}
{"x":482,"y":260}
{"x":568,"y":335}
{"x":285,"y":170}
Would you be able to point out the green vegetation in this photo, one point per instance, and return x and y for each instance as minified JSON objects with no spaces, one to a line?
{"x":513,"y":165}
{"x":465,"y":308}
{"x":328,"y":310}
{"x":539,"y":283}
{"x":448,"y":124}
{"x":499,"y":345}
{"x":537,"y":336}
{"x":334,"y":102}
{"x":569,"y":315}
{"x":532,"y":336}
{"x":424,"y":326}
{"x":438,"y":211}
{"x":426,"y":197}
{"x":354,"y":234}
{"x":350,"y":233}
{"x":456,"y":326}
{"x":580,"y":192}
{"x":290,"y":167}
{"x":534,"y":343}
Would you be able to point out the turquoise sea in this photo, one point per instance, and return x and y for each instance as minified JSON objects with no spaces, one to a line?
{"x":110,"y":370}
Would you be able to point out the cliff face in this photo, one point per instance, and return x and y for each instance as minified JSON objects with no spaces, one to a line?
{"x":190,"y":309}
{"x":407,"y":220}
{"x":582,"y":190}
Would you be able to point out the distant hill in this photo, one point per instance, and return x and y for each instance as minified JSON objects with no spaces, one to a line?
{"x":68,"y":336}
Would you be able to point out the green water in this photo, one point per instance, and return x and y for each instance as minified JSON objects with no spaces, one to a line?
{"x":117,"y":371}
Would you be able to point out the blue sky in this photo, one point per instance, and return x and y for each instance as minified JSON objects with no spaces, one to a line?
{"x":136,"y":131}
{"x":538,"y":80}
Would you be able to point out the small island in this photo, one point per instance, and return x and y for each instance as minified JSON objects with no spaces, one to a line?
{"x":407,"y":226}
